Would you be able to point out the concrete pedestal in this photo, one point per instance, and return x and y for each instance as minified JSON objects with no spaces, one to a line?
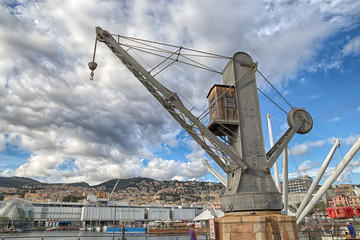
{"x":259,"y":226}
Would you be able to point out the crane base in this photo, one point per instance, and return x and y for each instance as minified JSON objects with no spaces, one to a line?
{"x":271,"y":225}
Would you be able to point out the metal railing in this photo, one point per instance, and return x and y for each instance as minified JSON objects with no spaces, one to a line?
{"x":107,"y":236}
{"x":317,"y":235}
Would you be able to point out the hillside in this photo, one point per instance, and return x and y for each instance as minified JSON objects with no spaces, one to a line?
{"x":19,"y":182}
{"x":123,"y":183}
{"x":137,"y":190}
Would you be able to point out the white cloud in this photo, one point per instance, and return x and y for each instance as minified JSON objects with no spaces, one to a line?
{"x":352,"y":47}
{"x":306,"y":166}
{"x":2,"y":142}
{"x":350,"y":140}
{"x":194,"y":168}
{"x":286,"y":92}
{"x":169,"y":169}
{"x":178,"y":178}
{"x":306,"y":147}
{"x":284,"y":127}
{"x":170,"y":138}
{"x":317,"y":96}
{"x":303,"y":81}
{"x":75,"y":129}
{"x":7,"y":172}
{"x":334,"y":119}
{"x":326,"y":64}
{"x":160,"y":169}
{"x":352,"y":168}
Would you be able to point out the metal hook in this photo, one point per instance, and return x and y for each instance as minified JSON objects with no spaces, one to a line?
{"x":92,"y":67}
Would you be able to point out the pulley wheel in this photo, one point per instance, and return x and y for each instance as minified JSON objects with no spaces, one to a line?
{"x":299,"y":114}
{"x":92,"y":65}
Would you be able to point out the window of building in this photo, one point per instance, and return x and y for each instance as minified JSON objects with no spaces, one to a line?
{"x":230,"y":102}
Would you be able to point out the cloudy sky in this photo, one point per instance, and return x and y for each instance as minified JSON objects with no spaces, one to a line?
{"x":58,"y":126}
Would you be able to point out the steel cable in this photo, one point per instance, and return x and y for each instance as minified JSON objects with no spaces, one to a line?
{"x":274,"y":88}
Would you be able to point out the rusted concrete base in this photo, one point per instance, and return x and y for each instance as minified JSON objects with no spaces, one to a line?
{"x":259,"y":225}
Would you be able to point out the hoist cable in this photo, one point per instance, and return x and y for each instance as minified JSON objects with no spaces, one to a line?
{"x":187,"y":63}
{"x":151,"y":49}
{"x":170,"y":45}
{"x":320,"y":135}
{"x":197,"y":64}
{"x":154,"y":48}
{"x":165,"y":80}
{"x":157,"y":49}
{"x":272,"y":101}
{"x":274,"y":88}
{"x":94,"y":49}
{"x":341,"y":109}
{"x":294,"y":161}
{"x":163,"y":68}
{"x":203,"y":65}
{"x":92,"y":65}
{"x":164,"y":61}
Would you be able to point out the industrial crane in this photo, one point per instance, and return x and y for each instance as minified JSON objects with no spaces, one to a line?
{"x":249,"y":183}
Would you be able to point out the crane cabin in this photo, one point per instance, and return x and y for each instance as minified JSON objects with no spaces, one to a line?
{"x":223,"y":111}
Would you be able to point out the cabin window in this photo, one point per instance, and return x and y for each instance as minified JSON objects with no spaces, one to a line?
{"x":230,"y":102}
{"x":212,"y":105}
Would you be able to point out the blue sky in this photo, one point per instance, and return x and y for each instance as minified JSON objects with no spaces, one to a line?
{"x":57,"y":126}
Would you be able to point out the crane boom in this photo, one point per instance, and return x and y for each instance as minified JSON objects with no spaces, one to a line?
{"x":216,"y":174}
{"x":217,"y":150}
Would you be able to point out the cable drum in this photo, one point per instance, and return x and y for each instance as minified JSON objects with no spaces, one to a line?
{"x":299,"y":114}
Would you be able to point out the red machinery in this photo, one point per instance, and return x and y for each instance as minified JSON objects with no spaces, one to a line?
{"x":343,"y":212}
{"x":357,"y":210}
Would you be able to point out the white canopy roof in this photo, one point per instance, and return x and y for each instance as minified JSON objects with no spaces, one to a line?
{"x":206,"y":215}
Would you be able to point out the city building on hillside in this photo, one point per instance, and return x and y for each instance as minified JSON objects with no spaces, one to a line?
{"x":339,"y":201}
{"x":354,"y":200}
{"x":344,"y":189}
{"x":295,"y":198}
{"x":217,"y":205}
{"x":8,"y":197}
{"x":300,"y":184}
{"x":36,"y":197}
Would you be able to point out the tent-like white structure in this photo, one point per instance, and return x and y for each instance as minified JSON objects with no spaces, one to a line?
{"x":206,"y":215}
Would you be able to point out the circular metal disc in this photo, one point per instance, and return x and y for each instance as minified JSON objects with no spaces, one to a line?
{"x":300,"y":114}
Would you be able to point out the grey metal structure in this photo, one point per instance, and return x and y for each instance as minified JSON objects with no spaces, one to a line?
{"x":91,"y":213}
{"x":317,"y":179}
{"x":155,"y":213}
{"x":216,"y":174}
{"x":285,"y":182}
{"x":254,"y":189}
{"x":275,"y":167}
{"x":250,"y":185}
{"x":330,"y":180}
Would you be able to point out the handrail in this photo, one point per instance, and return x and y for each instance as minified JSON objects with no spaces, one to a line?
{"x":104,"y":236}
